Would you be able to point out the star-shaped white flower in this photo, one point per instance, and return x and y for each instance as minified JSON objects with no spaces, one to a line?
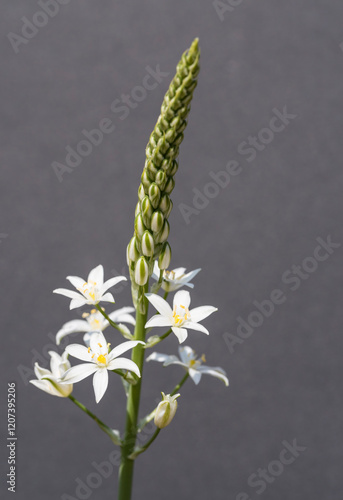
{"x":91,"y":291}
{"x":58,"y":366}
{"x":174,"y":279}
{"x":98,"y":361}
{"x":194,"y":366}
{"x":95,"y":322}
{"x":180,"y":317}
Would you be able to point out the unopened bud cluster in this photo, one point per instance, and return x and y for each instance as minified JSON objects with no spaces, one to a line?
{"x":154,"y":205}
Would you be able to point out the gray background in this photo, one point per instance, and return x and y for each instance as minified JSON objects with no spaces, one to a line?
{"x":285,"y":380}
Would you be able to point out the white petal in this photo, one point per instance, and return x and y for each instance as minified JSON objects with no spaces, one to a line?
{"x":96,"y":339}
{"x":41,"y":372}
{"x":179,"y":271}
{"x":79,"y":302}
{"x":196,"y":326}
{"x":181,"y":333}
{"x":76,"y":325}
{"x":195,"y":375}
{"x":186,"y":354}
{"x":160,"y":304}
{"x":156,"y":271}
{"x":111,"y":282}
{"x":79,"y":351}
{"x":79,"y":372}
{"x":182,"y":298}
{"x":214,"y":372}
{"x":121,"y":348}
{"x":67,"y":293}
{"x":121,"y":315}
{"x":100,"y":383}
{"x":189,"y":276}
{"x":55,"y":363}
{"x":158,"y":320}
{"x":76,"y":281}
{"x":108,"y":297}
{"x":163,"y":358}
{"x":202,"y":312}
{"x":97,"y":276}
{"x":46,"y":386}
{"x":123,"y":364}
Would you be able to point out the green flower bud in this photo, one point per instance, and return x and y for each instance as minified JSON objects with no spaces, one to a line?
{"x":165,"y":410}
{"x":165,"y":256}
{"x":147,"y":244}
{"x":161,"y":179}
{"x":132,"y":252}
{"x":146,"y":211}
{"x":139,"y":226}
{"x":141,"y":192}
{"x":141,"y":271}
{"x":170,"y":185}
{"x":163,"y":235}
{"x":146,"y":181}
{"x":154,"y":195}
{"x":157,"y":221}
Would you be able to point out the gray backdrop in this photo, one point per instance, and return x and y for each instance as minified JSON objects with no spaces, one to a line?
{"x":259,"y":60}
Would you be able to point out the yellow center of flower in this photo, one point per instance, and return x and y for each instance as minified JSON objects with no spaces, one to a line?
{"x":88,"y":289}
{"x":101,"y":359}
{"x":179,"y":319}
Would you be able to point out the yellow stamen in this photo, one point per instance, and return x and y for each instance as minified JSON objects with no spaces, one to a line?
{"x":89,"y":350}
{"x":99,"y":344}
{"x":101,"y":359}
{"x":85,"y":315}
{"x":203,"y":359}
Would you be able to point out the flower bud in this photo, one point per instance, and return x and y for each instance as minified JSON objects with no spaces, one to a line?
{"x":146,"y":211}
{"x":132,"y":252}
{"x":141,"y":271}
{"x":147,"y":244}
{"x":146,"y":181}
{"x":139,"y":225}
{"x":161,"y":179}
{"x":165,"y":410}
{"x":157,"y":220}
{"x":165,"y":256}
{"x":163,"y":235}
{"x":170,"y":185}
{"x":141,"y":192}
{"x":154,"y":195}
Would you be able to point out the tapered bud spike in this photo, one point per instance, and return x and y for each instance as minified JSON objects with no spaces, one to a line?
{"x":157,"y":180}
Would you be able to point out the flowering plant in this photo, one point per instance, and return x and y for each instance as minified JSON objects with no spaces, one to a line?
{"x":148,"y":256}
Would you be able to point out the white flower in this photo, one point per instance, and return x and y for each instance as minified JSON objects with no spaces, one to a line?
{"x":180,"y":317}
{"x":98,"y":361}
{"x":91,"y":291}
{"x":188,"y":359}
{"x":175,"y":279}
{"x":165,"y":410}
{"x":94,"y":322}
{"x":58,"y":365}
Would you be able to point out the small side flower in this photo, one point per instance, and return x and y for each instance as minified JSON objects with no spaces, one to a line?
{"x":165,"y":410}
{"x":49,"y":380}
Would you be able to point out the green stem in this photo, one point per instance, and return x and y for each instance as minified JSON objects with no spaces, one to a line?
{"x":101,"y":424}
{"x":156,"y":339}
{"x":179,"y":385}
{"x":112,"y":323}
{"x":165,"y":295}
{"x":132,"y":408}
